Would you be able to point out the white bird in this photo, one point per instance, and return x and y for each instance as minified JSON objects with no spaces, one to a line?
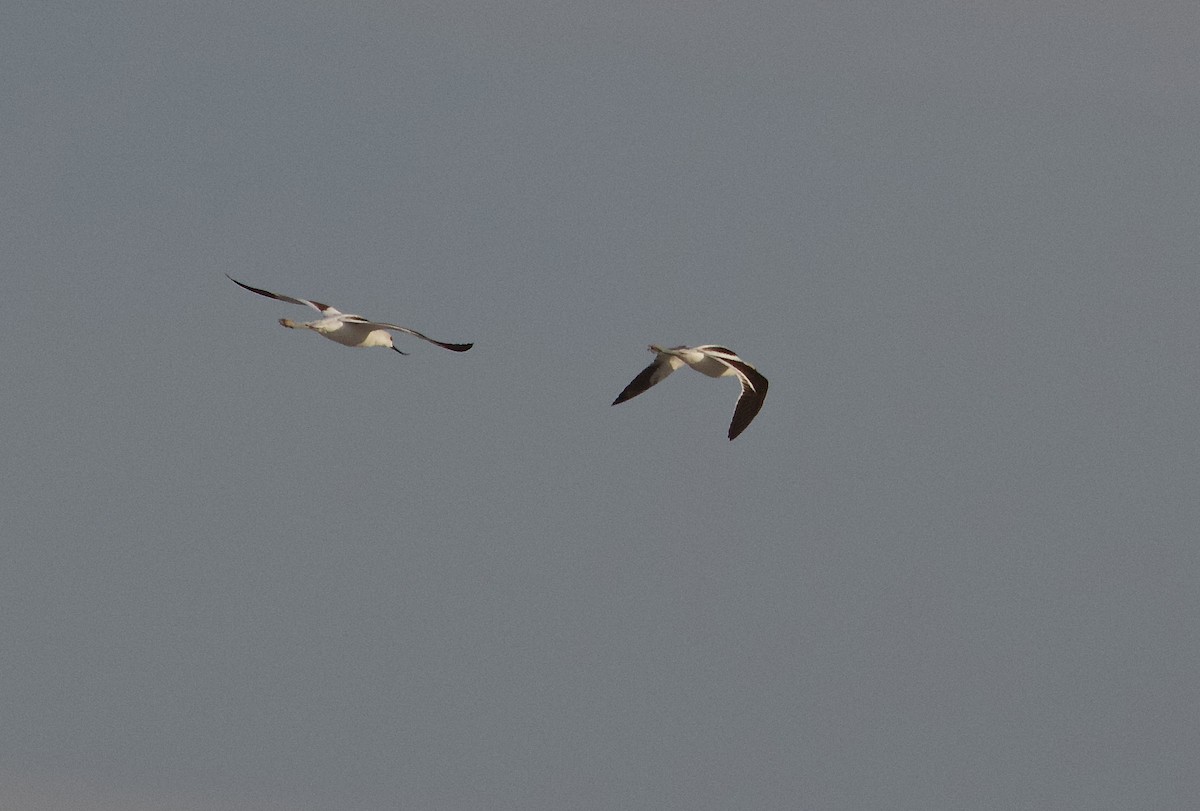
{"x":714,"y":361}
{"x":348,"y":330}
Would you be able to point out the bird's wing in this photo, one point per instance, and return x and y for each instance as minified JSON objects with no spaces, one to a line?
{"x":354,"y":319}
{"x":754,"y":392}
{"x":662,"y":366}
{"x":324,"y":309}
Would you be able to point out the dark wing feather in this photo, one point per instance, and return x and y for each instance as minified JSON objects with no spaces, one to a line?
{"x":652,"y":374}
{"x":754,"y":392}
{"x":316,"y":305}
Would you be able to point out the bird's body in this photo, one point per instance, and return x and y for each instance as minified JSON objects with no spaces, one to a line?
{"x":711,"y":360}
{"x":347,"y":329}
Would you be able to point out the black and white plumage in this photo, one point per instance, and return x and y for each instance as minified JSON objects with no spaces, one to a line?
{"x":714,"y":361}
{"x":348,"y":330}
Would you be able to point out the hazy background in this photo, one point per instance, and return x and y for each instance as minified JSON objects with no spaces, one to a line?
{"x":952,"y":565}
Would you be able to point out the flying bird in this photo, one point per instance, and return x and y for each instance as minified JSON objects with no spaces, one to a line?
{"x":348,"y":330}
{"x":714,"y":361}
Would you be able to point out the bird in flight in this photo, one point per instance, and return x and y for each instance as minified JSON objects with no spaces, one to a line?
{"x":714,"y":361}
{"x":347,"y":330}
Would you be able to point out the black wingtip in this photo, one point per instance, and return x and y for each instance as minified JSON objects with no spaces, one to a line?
{"x":628,"y":392}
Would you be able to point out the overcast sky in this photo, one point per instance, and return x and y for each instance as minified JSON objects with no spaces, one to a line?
{"x":953,"y":564}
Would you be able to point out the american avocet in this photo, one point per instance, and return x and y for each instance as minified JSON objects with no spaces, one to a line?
{"x":348,"y":330}
{"x":714,"y":361}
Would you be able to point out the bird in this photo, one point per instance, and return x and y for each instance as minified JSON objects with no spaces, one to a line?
{"x":714,"y":361}
{"x":346,"y":329}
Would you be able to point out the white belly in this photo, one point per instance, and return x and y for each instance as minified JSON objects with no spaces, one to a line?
{"x":352,"y":334}
{"x":706,"y":365}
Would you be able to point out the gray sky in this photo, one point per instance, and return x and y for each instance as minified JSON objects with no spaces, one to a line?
{"x":953,"y":563}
